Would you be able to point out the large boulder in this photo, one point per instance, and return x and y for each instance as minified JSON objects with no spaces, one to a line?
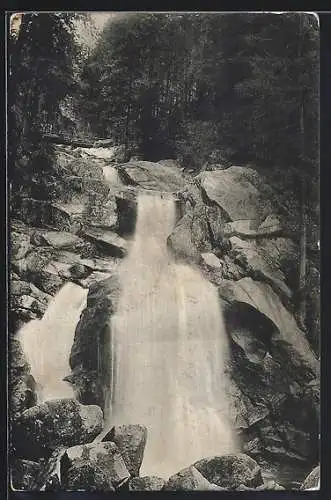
{"x":181,"y":241}
{"x":288,"y":341}
{"x":152,"y":176}
{"x":146,"y":483}
{"x":234,"y":192}
{"x":229,"y":471}
{"x":37,"y":268}
{"x":91,"y":350}
{"x":248,"y":229}
{"x":312,"y":481}
{"x":57,"y":239}
{"x":107,"y":242}
{"x":189,"y":479}
{"x":45,"y":214}
{"x":130,"y":441}
{"x":94,"y":467}
{"x":23,"y":475}
{"x":19,"y":245}
{"x":57,"y":423}
{"x":252,"y":259}
{"x":21,"y":384}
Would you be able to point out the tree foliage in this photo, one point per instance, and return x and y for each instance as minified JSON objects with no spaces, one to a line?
{"x":41,"y":75}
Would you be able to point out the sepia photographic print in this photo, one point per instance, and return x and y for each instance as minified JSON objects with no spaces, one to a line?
{"x":164,"y":256}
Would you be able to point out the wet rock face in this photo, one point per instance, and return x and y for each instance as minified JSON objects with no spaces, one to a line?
{"x":90,"y":353}
{"x":56,"y":423}
{"x":130,"y":441}
{"x":229,"y":471}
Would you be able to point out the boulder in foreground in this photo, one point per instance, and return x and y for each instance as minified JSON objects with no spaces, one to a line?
{"x":131,"y":441}
{"x":58,"y":423}
{"x":146,"y":483}
{"x":312,"y":481}
{"x":230,"y":471}
{"x":189,"y":479}
{"x":94,"y":467}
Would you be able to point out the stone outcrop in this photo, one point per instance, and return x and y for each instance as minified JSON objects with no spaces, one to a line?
{"x":94,"y":467}
{"x":229,"y":471}
{"x":130,"y":441}
{"x":57,"y":423}
{"x":189,"y":479}
{"x":312,"y":481}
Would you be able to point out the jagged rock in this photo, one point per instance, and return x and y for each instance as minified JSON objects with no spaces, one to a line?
{"x":91,"y":350}
{"x":249,"y":229}
{"x":108,"y":241}
{"x":44,"y":214}
{"x":270,"y":485}
{"x":57,"y":423}
{"x":131,"y":441}
{"x":57,"y":239}
{"x":247,"y":254}
{"x":94,"y":467}
{"x":229,"y":471}
{"x":50,"y":478}
{"x":170,"y":163}
{"x":35,"y":268}
{"x":23,"y":474}
{"x":149,"y":175}
{"x":312,"y":481}
{"x":19,"y":245}
{"x":270,"y":226}
{"x":22,"y":387}
{"x":234,"y":192}
{"x":181,"y":243}
{"x":287,"y":340}
{"x":126,"y":205}
{"x":211,"y":260}
{"x":146,"y":483}
{"x":189,"y":479}
{"x":85,"y":168}
{"x":103,"y":143}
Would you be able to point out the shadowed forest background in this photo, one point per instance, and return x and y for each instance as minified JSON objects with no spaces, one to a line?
{"x":202,"y":88}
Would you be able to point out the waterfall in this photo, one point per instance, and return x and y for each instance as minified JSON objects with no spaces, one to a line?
{"x":168,"y":350}
{"x":46,"y":343}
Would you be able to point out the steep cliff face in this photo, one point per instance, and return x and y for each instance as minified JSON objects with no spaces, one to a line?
{"x":226,"y":227}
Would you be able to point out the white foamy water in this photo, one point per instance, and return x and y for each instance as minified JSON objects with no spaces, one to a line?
{"x":169,"y":348}
{"x":47,"y":342}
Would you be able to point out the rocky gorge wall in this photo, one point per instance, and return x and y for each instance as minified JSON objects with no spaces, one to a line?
{"x":229,"y":229}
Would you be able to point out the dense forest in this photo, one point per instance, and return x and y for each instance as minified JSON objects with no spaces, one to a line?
{"x":206,"y":89}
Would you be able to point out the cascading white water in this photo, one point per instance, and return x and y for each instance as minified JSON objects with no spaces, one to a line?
{"x":169,"y":349}
{"x":47,"y":342}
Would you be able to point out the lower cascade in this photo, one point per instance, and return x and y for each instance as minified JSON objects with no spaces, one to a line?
{"x":47,"y":342}
{"x":168,"y":351}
